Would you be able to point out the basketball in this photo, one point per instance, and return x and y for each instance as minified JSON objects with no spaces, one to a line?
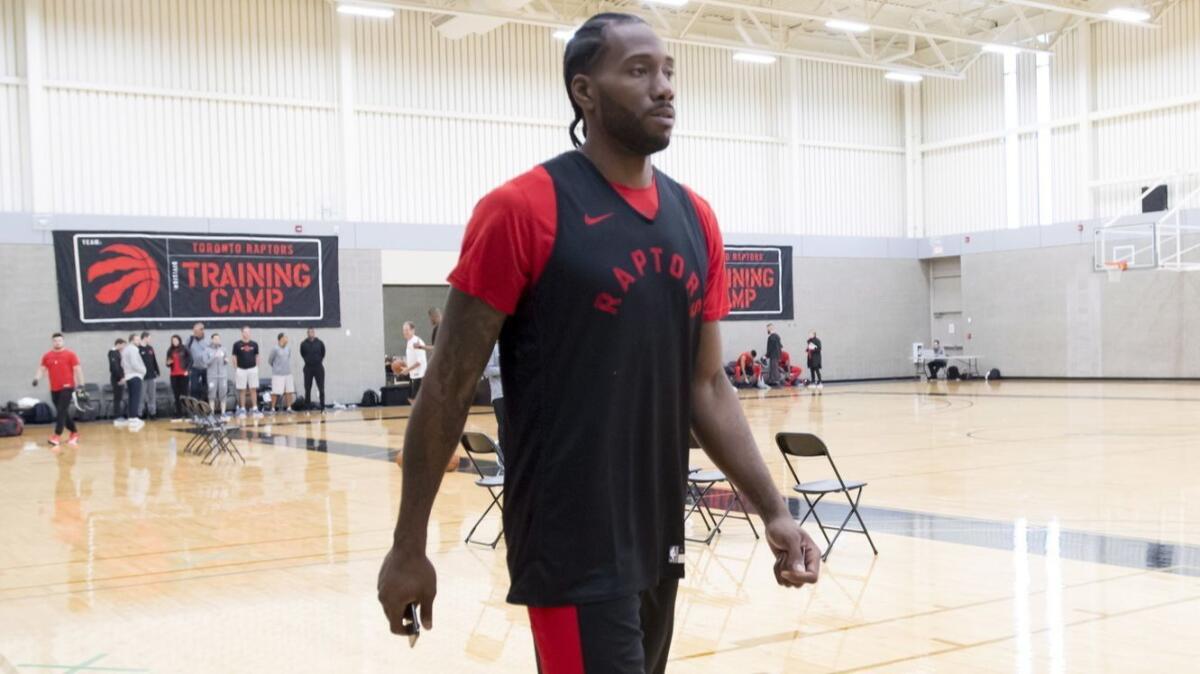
{"x":397,"y":367}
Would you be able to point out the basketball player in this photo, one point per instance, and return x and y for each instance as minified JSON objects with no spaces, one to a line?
{"x":61,"y":366}
{"x":607,"y":278}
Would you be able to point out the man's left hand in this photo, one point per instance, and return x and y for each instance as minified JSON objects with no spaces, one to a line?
{"x":797,"y":558}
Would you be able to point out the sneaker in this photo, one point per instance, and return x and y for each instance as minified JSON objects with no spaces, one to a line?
{"x":820,"y":387}
{"x":121,"y":422}
{"x":762,"y":384}
{"x":136,"y":425}
{"x":73,"y":440}
{"x":241,"y":413}
{"x":55,"y":441}
{"x":258,"y":414}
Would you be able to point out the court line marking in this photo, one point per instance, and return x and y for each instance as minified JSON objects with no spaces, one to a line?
{"x":83,"y":666}
{"x":1000,"y":640}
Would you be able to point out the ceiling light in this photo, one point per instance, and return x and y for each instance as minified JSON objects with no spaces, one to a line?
{"x":897,"y":76}
{"x":848,"y":26}
{"x":370,"y":12}
{"x":670,"y":3}
{"x":753,"y":57}
{"x":1001,"y":49}
{"x":564,"y":34}
{"x":1129,"y":14}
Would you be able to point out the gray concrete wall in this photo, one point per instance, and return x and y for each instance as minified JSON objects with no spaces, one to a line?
{"x":867,"y":312}
{"x":29,"y":307}
{"x":1045,"y":312}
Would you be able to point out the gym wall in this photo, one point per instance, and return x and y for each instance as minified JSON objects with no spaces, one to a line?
{"x":1046,"y":313}
{"x":232,"y":110}
{"x":353,"y":362}
{"x":1122,"y":104}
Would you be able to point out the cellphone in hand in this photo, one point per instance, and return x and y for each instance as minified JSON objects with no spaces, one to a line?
{"x":411,"y":624}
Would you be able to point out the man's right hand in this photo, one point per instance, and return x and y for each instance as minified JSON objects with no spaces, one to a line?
{"x":406,"y":578}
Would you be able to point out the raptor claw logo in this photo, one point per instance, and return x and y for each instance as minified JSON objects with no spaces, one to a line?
{"x":139,"y":273}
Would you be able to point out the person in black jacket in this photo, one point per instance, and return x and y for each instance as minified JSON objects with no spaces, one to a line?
{"x":312,"y":352}
{"x":150,"y":407}
{"x":774,"y":355}
{"x":116,"y":377}
{"x":814,"y":359}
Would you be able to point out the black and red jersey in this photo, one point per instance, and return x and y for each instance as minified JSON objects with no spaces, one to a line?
{"x":606,"y":288}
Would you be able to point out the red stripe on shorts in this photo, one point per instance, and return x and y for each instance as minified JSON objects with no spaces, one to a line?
{"x":556,"y":635}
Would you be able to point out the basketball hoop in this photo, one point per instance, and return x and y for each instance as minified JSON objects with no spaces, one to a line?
{"x":1114,"y":269}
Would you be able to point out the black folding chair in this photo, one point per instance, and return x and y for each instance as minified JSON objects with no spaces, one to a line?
{"x":478,"y":443}
{"x":806,"y":445}
{"x":700,"y":484}
{"x":216,"y":434}
{"x":189,"y":411}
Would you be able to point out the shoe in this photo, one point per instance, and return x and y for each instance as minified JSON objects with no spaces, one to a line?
{"x":762,"y":384}
{"x":820,"y":387}
{"x":241,"y":413}
{"x":121,"y":422}
{"x":258,"y":414}
{"x":55,"y":441}
{"x":136,"y":425}
{"x":73,"y":440}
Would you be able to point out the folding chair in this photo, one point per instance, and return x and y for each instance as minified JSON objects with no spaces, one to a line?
{"x":806,"y":445}
{"x":478,"y":443}
{"x":700,"y":483}
{"x":189,"y":411}
{"x":216,"y":435}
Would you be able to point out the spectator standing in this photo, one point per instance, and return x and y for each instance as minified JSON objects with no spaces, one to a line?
{"x":198,"y":374}
{"x":218,"y":374}
{"x":312,"y":352}
{"x":246,"y":357}
{"x":774,"y":355}
{"x":116,"y":378}
{"x":135,"y":370}
{"x":414,"y":359}
{"x":178,"y":364}
{"x":814,"y":359}
{"x":283,"y":384}
{"x":61,"y":367}
{"x":151,"y":360}
{"x":492,"y":372}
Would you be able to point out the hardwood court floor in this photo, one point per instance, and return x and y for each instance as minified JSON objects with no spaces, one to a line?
{"x":1022,"y":527}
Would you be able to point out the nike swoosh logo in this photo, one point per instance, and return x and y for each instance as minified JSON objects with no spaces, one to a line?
{"x":590,"y":221}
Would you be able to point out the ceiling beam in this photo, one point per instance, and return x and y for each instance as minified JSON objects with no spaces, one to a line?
{"x":533,"y":19}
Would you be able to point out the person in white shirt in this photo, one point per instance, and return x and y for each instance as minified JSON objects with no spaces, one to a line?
{"x":414,"y":359}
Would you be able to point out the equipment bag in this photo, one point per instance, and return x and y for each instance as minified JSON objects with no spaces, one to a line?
{"x":11,"y":425}
{"x":952,"y":372}
{"x":993,"y":374}
{"x":370,"y":398}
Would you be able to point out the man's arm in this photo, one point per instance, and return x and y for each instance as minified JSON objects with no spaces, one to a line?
{"x":78,"y":372}
{"x":469,"y":328}
{"x":41,"y":371}
{"x":721,"y":427}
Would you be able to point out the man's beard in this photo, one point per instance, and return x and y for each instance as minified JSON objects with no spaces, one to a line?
{"x":622,"y":125}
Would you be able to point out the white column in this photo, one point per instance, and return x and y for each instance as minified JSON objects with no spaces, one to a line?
{"x":1044,"y":142}
{"x":1012,"y":154}
{"x":791,"y":163}
{"x":36,"y":110}
{"x":1085,"y":103}
{"x":914,"y":219}
{"x":345,"y":45}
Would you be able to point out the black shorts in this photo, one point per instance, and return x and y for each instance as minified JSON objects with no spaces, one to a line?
{"x":630,"y":635}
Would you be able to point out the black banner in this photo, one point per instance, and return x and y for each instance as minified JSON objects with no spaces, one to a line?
{"x":760,"y":282}
{"x":124,"y":280}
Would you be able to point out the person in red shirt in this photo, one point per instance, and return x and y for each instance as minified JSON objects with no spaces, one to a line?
{"x":604,"y":281}
{"x":745,"y":367}
{"x":61,"y":366}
